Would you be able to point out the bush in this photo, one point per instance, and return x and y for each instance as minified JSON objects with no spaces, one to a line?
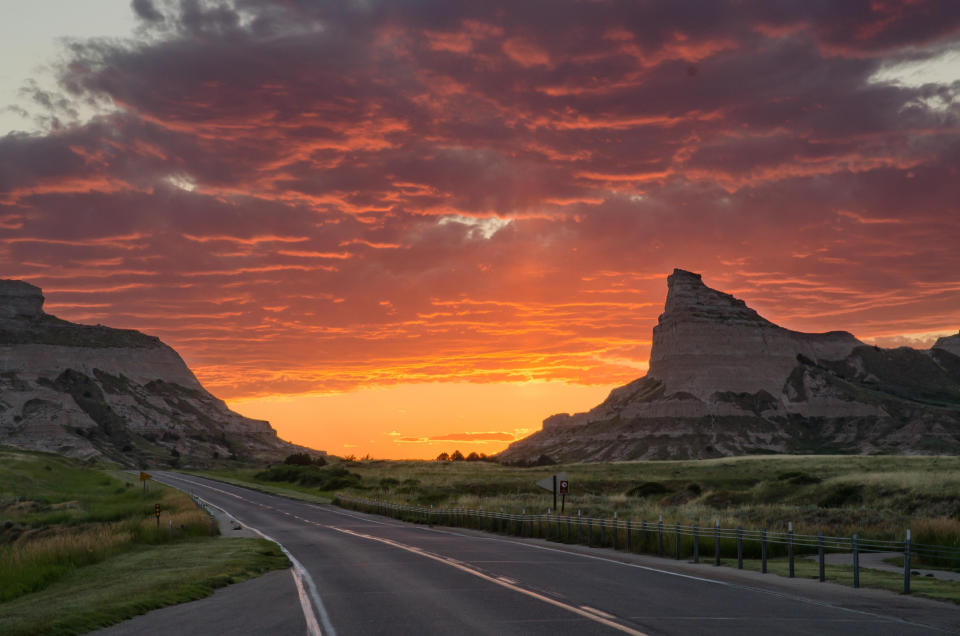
{"x":647,"y":488}
{"x":304,"y":459}
{"x":328,"y":478}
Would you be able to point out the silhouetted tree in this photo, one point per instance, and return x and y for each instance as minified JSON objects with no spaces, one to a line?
{"x":443,"y":457}
{"x":457,"y":456}
{"x":473,"y":457}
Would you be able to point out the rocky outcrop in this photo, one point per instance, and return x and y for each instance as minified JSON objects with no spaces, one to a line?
{"x":725,"y":381}
{"x":89,"y":391}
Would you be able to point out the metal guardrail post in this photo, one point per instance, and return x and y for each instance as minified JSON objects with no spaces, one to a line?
{"x":906,"y":563}
{"x":579,"y":527}
{"x":763,"y":551}
{"x":820,"y":556}
{"x":643,"y":534}
{"x":616,"y":531}
{"x":676,"y":529}
{"x":716,"y":542}
{"x":790,"y":547}
{"x":589,"y":532}
{"x":603,"y":538}
{"x":739,"y":548}
{"x":856,"y":561}
{"x":660,"y":536}
{"x":696,"y":543}
{"x":629,"y":537}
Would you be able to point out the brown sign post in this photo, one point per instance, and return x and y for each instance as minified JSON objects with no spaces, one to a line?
{"x":564,"y":488}
{"x":144,"y":477}
{"x":156,"y":509}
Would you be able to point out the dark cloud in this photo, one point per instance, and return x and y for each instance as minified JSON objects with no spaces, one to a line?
{"x":317,"y":195}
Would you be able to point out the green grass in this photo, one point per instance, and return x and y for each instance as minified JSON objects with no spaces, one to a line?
{"x":66,"y":525}
{"x":136,"y":581}
{"x":874,"y":496}
{"x":892,"y":581}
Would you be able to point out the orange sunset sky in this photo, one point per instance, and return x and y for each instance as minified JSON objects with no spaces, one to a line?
{"x":401,"y":228}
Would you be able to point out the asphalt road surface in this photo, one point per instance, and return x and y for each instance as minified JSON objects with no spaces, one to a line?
{"x":364,"y":574}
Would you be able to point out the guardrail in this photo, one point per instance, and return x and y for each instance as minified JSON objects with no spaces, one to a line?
{"x":677,"y":540}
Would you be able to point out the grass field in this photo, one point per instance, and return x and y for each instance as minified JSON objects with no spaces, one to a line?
{"x":875,"y":496}
{"x":80,"y":547}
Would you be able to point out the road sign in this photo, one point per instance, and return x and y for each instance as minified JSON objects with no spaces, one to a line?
{"x":548,"y":483}
{"x":144,"y":476}
{"x":563,"y":487}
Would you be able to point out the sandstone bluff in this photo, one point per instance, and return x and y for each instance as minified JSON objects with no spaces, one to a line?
{"x":725,"y":381}
{"x":89,"y":391}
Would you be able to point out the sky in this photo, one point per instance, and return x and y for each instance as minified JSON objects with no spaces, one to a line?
{"x":400,"y":228}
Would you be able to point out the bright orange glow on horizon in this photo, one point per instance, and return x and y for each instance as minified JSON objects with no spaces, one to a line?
{"x":419,"y":421}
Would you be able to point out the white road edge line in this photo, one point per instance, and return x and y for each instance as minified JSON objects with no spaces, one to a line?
{"x":497,"y":581}
{"x":301,"y":574}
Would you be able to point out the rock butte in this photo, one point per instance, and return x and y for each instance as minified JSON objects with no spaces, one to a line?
{"x":725,"y":381}
{"x":89,"y":391}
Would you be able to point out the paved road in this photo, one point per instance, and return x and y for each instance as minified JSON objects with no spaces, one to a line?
{"x":364,"y":574}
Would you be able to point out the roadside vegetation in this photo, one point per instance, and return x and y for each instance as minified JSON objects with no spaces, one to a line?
{"x":80,"y":546}
{"x":874,"y":496}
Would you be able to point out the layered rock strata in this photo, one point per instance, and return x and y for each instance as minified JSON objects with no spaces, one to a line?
{"x":725,"y":381}
{"x":89,"y":391}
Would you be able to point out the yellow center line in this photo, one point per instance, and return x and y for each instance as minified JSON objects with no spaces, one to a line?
{"x":591,"y":614}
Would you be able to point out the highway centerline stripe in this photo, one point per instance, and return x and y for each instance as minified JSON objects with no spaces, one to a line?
{"x":591,"y":615}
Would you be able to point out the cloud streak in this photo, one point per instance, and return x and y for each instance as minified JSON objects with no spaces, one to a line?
{"x":316,"y":196}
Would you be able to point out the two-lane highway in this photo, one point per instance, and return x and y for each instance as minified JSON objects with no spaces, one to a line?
{"x":364,"y":574}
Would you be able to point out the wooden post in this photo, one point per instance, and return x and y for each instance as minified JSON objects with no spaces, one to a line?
{"x":906,"y":564}
{"x":739,"y":548}
{"x":856,"y":561}
{"x":763,"y":551}
{"x":790,"y":546}
{"x":696,"y":543}
{"x":629,"y":537}
{"x":616,"y":531}
{"x":820,"y":556}
{"x":716,"y":542}
{"x":554,"y":491}
{"x":660,"y":536}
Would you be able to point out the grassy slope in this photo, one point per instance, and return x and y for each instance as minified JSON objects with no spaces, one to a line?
{"x":72,"y":531}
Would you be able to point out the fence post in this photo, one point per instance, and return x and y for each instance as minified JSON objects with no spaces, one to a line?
{"x":589,"y":532}
{"x":763,"y":551}
{"x":579,"y":527}
{"x":739,"y":548}
{"x":660,"y":536}
{"x":696,"y":543}
{"x":568,"y":528}
{"x":790,"y":546}
{"x":643,"y":534}
{"x":856,"y":561}
{"x":603,"y":538}
{"x":716,"y":542}
{"x":820,"y":556}
{"x":616,"y":530}
{"x":629,"y":537}
{"x":676,"y":530}
{"x":523,"y":514}
{"x":906,"y":564}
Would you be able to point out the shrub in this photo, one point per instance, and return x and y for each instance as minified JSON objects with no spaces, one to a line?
{"x":648,"y":488}
{"x":327,"y":478}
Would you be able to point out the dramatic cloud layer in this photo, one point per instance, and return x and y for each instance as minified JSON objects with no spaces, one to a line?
{"x":310,"y":196}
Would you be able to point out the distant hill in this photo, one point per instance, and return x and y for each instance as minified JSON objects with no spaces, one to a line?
{"x":725,"y":381}
{"x":88,"y":391}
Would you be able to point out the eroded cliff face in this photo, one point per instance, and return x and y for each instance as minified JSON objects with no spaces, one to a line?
{"x":87,"y":391}
{"x":724,"y":381}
